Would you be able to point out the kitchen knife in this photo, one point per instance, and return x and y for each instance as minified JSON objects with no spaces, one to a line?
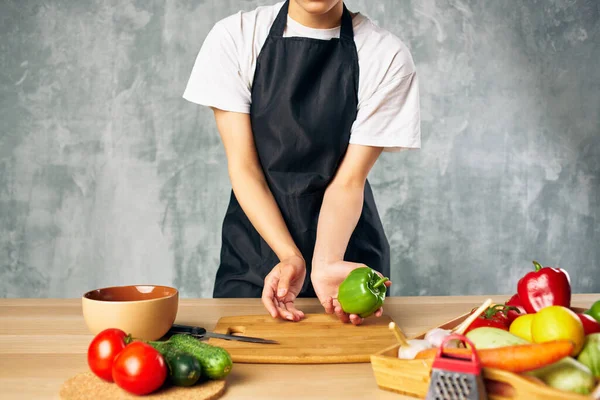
{"x":200,"y":333}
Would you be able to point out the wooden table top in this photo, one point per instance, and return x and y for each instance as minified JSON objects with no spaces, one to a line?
{"x":43,"y":342}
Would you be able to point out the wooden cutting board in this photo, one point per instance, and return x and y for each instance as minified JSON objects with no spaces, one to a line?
{"x":317,"y":339}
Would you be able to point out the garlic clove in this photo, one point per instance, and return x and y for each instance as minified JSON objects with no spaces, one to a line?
{"x":436,"y":336}
{"x":415,"y":346}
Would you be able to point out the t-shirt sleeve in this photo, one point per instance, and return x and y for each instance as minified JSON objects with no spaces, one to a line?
{"x":390,"y":117}
{"x":216,"y":79}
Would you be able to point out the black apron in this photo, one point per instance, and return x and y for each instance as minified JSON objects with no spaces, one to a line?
{"x":304,"y":102}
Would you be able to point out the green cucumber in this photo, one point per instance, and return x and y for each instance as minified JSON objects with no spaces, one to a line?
{"x":184,"y":368}
{"x":215,"y":361}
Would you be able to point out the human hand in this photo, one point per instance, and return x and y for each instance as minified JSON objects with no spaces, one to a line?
{"x":282,"y":286}
{"x":326,"y":280}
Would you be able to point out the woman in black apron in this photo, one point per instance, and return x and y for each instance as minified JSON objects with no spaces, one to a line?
{"x":312,"y":218}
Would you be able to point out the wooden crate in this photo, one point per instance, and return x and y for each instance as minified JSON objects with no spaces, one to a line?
{"x":411,"y":377}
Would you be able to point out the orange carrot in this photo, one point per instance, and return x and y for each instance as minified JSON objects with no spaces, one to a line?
{"x":517,"y":358}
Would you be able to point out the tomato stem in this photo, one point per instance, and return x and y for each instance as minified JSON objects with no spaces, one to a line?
{"x":502,"y":308}
{"x":128,"y":339}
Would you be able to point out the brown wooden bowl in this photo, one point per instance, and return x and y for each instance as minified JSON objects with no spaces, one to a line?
{"x":146,"y":312}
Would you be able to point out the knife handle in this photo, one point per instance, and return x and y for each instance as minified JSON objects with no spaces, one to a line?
{"x":192,"y":330}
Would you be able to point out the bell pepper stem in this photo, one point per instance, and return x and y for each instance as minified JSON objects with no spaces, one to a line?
{"x":380,"y":282}
{"x":537,"y":265}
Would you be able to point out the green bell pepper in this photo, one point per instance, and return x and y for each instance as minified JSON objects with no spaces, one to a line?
{"x":362,"y":292}
{"x":594,"y":311}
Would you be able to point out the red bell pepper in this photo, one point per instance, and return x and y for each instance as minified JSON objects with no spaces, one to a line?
{"x":590,"y":325}
{"x":544,"y":287}
{"x":515,"y":302}
{"x":495,"y":317}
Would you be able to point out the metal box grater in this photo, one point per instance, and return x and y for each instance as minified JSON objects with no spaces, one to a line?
{"x":456,"y":377}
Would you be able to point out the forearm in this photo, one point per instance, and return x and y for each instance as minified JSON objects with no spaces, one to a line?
{"x":340,"y":212}
{"x":342,"y":205}
{"x":259,"y":205}
{"x":249,"y":185}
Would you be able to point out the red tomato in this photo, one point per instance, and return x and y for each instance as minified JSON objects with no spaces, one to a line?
{"x":518,"y":309}
{"x":102,"y":351}
{"x":495,"y":317}
{"x":479,"y":322}
{"x":139,"y":369}
{"x":590,"y":325}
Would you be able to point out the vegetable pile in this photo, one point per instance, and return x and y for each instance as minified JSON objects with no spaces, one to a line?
{"x":143,"y":367}
{"x":535,"y":333}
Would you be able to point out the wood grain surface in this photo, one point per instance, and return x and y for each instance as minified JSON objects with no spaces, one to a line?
{"x":317,"y":339}
{"x":43,"y":343}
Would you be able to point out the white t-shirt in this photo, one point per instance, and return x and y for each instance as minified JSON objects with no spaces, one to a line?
{"x":388,"y":112}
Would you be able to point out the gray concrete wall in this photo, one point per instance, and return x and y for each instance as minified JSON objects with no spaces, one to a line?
{"x":107,"y":176}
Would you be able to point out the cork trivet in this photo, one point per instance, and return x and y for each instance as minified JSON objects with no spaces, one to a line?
{"x":88,"y":386}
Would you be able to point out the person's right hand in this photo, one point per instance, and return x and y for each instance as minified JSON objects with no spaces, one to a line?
{"x":282,"y":286}
{"x":326,"y":280}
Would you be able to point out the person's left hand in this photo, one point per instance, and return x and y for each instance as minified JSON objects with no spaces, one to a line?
{"x":326,"y":280}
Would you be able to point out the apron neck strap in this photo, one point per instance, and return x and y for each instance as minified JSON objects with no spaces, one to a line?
{"x":346,"y":31}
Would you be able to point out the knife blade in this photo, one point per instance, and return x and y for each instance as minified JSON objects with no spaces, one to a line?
{"x":200,"y":333}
